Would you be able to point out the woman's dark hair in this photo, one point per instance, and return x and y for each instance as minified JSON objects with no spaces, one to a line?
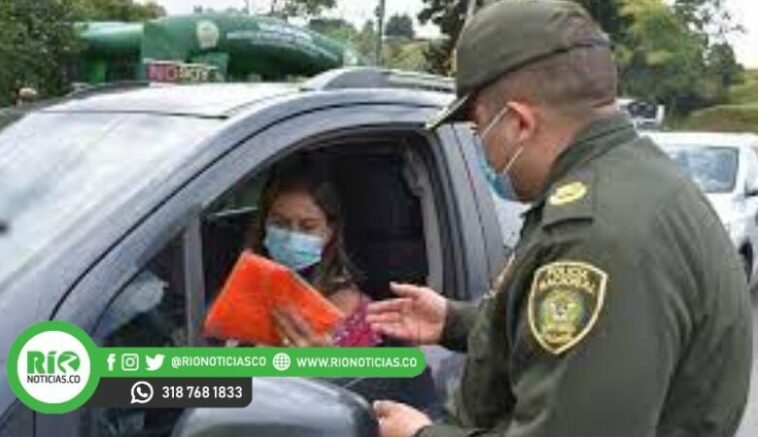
{"x":333,"y":272}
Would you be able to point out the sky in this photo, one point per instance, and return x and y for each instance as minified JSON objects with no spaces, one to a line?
{"x":745,"y":12}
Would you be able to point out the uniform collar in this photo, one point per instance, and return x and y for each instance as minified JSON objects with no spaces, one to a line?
{"x":601,"y":135}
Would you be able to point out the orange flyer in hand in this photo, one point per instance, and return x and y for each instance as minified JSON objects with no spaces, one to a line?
{"x":256,"y":286}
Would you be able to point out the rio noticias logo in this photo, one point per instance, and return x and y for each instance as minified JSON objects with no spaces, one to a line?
{"x":50,"y":367}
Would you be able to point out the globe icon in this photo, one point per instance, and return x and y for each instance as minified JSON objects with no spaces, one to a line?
{"x":281,"y":361}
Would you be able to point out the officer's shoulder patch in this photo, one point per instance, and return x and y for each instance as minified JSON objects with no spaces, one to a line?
{"x":565,"y":301}
{"x":573,"y":198}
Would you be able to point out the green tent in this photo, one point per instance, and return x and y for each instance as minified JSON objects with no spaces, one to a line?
{"x":237,"y":47}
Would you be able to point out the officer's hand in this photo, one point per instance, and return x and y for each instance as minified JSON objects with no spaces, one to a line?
{"x":417,"y":316}
{"x":399,"y":420}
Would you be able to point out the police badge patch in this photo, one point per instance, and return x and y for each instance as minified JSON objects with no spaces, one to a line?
{"x":564,"y":303}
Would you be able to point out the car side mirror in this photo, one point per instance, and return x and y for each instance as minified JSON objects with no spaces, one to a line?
{"x":291,"y":407}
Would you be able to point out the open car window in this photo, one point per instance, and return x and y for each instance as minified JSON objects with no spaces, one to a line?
{"x":390,"y":212}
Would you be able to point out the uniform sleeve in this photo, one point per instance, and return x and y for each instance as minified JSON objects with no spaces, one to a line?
{"x":458,"y":322}
{"x":613,"y":379}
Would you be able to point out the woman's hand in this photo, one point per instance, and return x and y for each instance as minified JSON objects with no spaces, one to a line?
{"x":295,"y":331}
{"x":417,"y":316}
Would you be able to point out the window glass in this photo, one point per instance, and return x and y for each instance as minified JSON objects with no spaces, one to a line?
{"x":17,"y":422}
{"x":227,"y":229}
{"x":714,"y":169}
{"x":149,"y":311}
{"x":59,"y":169}
{"x":365,"y":188}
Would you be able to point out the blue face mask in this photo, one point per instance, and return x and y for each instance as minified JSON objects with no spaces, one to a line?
{"x":499,"y":183}
{"x":295,"y":250}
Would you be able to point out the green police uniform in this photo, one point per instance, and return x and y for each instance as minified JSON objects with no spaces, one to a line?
{"x":624,"y":310}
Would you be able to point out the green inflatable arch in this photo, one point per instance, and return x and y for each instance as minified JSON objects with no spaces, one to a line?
{"x":236,"y":47}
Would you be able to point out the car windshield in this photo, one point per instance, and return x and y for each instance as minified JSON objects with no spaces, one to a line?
{"x":713,"y":168}
{"x":59,"y":170}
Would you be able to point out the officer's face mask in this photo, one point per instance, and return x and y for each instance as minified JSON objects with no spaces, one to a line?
{"x":499,"y":181}
{"x":295,"y":250}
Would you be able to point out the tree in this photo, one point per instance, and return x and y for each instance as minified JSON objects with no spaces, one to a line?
{"x":663,"y":59}
{"x":300,"y":8}
{"x":335,"y":28}
{"x":118,"y":10}
{"x":673,"y":52}
{"x":366,"y":40}
{"x":708,"y":17}
{"x":37,"y":41}
{"x":403,"y":54}
{"x":400,"y":26}
{"x":155,"y":10}
{"x":449,"y":16}
{"x":607,"y":14}
{"x":723,"y":66}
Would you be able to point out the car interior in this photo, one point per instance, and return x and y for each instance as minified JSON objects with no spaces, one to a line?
{"x":387,"y":206}
{"x":391,"y":222}
{"x":391,"y":229}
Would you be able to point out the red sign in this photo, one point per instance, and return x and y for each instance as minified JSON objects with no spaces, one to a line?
{"x":179,"y":72}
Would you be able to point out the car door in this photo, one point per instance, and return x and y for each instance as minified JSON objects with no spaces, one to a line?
{"x":174,"y":224}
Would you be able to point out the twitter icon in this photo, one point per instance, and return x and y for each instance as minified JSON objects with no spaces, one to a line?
{"x":154,"y":363}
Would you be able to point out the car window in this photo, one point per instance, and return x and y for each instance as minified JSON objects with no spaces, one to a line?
{"x":227,"y":228}
{"x":17,"y":422}
{"x":59,"y":169}
{"x":383,"y":237}
{"x":713,"y":168}
{"x":150,"y":310}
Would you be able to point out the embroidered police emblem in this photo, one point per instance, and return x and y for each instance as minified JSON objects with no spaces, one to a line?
{"x":564,"y":303}
{"x":568,"y":193}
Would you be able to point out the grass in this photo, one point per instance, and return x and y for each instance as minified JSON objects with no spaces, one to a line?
{"x":746,"y":92}
{"x":739,"y":115}
{"x":723,"y":118}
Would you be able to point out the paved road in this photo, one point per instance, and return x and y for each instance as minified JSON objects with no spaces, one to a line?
{"x":749,"y":426}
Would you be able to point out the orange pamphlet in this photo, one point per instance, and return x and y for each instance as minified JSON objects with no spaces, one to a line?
{"x":256,"y":286}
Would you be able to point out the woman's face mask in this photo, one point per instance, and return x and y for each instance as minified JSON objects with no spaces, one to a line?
{"x":297,"y":230}
{"x":295,"y":250}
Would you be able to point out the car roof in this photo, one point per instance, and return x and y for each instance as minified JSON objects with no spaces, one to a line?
{"x":704,"y":138}
{"x":212,"y":100}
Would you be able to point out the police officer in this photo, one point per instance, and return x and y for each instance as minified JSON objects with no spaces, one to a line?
{"x":624,"y":310}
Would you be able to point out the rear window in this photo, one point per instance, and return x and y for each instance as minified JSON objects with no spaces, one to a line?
{"x":713,"y":168}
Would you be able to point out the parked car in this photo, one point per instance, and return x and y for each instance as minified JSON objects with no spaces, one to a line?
{"x":725,"y":166}
{"x":107,"y":190}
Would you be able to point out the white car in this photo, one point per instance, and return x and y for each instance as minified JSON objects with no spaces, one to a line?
{"x":725,"y":166}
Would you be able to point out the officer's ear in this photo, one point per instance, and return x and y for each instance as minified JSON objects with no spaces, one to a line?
{"x":522,"y":124}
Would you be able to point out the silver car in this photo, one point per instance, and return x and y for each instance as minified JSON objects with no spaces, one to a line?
{"x":725,"y":166}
